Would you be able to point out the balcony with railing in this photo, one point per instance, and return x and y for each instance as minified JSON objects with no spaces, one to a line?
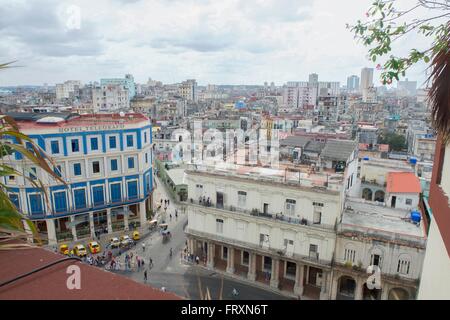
{"x":275,"y":217}
{"x":88,"y":207}
{"x":267,"y":249}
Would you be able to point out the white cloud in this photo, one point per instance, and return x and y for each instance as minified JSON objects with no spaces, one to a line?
{"x":226,"y":41}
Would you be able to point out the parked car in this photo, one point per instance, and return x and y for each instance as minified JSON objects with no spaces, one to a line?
{"x":94,"y":247}
{"x":79,"y":250}
{"x":114,"y":242}
{"x":64,"y":249}
{"x":125,"y":240}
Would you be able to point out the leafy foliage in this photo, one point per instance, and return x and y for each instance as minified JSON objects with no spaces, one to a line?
{"x":396,"y":142}
{"x":385,"y":24}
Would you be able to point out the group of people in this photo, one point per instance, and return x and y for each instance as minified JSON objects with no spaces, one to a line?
{"x":204,"y":201}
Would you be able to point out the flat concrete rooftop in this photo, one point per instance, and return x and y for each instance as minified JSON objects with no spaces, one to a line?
{"x":368,"y":217}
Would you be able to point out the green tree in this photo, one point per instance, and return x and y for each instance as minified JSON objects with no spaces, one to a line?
{"x":396,"y":142}
{"x":13,"y":223}
{"x":386,"y":23}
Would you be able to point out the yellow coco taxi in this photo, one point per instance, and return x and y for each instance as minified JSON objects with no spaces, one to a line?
{"x":94,"y":247}
{"x":64,"y":249}
{"x":79,"y":250}
{"x":136,"y":235}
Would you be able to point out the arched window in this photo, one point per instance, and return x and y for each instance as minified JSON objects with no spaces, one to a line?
{"x":404,"y":264}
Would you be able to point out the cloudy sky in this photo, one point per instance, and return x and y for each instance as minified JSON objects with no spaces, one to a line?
{"x":213,"y":41}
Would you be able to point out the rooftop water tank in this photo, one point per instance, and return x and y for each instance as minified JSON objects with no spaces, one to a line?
{"x":412,"y":160}
{"x":366,"y":158}
{"x":415,"y":216}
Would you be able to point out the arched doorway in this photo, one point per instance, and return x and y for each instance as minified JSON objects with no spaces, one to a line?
{"x":367,"y":194}
{"x":398,"y":294}
{"x":379,"y":196}
{"x":346,"y":288}
{"x":371,"y":294}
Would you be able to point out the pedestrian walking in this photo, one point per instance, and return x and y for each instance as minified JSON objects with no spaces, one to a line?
{"x":143,"y":246}
{"x":197,"y":259}
{"x":170,"y":215}
{"x":168,"y":202}
{"x":145,"y":275}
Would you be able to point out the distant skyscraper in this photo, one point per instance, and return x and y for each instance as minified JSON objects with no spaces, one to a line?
{"x":366,"y":82}
{"x":353,"y":83}
{"x":313,"y":78}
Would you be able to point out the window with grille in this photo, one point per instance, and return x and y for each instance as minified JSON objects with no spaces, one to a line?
{"x":349,"y":255}
{"x":314,"y":251}
{"x":290,"y":207}
{"x":242,"y":198}
{"x":403,"y":266}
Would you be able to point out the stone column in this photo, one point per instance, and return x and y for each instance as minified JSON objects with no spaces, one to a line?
{"x":91,"y":224}
{"x":299,"y":274}
{"x":142,"y":214}
{"x":74,"y":229}
{"x":359,"y":289}
{"x":251,"y":275}
{"x":274,"y":279}
{"x":211,"y":253}
{"x":324,"y":292}
{"x":230,"y":260}
{"x":109,"y":220}
{"x":125,"y":217}
{"x":334,"y":286}
{"x":51,"y":231}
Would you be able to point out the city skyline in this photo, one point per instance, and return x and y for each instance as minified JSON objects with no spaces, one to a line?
{"x":222,"y":43}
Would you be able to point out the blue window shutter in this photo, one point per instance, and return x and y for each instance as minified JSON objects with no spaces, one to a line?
{"x":80,"y":199}
{"x":130,"y":163}
{"x":77,"y":169}
{"x":60,"y":201}
{"x":75,"y":145}
{"x":98,"y":195}
{"x":15,"y":199}
{"x":116,"y":194}
{"x":132,"y":190}
{"x":94,"y":143}
{"x":129,"y":140}
{"x":146,"y":157}
{"x":36,"y":204}
{"x":55,"y":147}
{"x":112,"y":142}
{"x":114,"y":166}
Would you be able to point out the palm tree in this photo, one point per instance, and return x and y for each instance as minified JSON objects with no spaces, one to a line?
{"x":14,"y":225}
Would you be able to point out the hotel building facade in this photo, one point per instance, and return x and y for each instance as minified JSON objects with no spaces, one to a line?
{"x":106,"y":161}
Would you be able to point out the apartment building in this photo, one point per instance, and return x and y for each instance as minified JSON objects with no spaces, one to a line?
{"x":67,"y":89}
{"x":110,"y":98}
{"x":374,"y":235}
{"x":270,"y":226}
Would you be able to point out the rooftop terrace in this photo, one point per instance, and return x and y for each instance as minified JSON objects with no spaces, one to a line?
{"x":378,"y":221}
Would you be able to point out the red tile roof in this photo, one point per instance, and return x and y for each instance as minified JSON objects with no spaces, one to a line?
{"x":50,"y":283}
{"x":402,"y":182}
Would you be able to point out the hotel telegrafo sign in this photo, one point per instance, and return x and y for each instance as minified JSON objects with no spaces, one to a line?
{"x":92,"y":128}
